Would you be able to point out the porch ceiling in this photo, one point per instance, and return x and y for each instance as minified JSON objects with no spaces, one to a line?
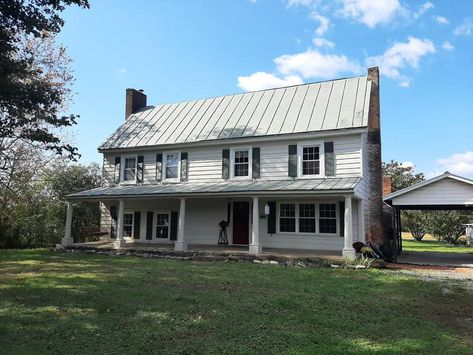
{"x":328,"y":185}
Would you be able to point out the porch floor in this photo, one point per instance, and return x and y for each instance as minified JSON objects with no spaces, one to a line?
{"x":222,"y":250}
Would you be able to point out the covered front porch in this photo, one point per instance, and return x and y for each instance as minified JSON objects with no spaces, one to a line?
{"x":306,"y":221}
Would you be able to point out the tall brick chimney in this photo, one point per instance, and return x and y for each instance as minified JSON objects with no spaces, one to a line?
{"x":135,"y":100}
{"x":375,"y":185}
{"x":387,"y":185}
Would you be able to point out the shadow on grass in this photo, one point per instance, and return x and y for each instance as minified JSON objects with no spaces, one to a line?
{"x":76,"y":304}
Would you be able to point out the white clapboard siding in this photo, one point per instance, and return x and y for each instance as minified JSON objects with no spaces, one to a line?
{"x":447,"y":191}
{"x":205,"y":163}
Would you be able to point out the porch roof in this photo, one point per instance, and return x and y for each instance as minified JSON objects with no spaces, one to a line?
{"x":325,"y":186}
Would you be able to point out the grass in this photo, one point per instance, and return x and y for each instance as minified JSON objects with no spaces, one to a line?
{"x":54,"y":303}
{"x":435,"y":246}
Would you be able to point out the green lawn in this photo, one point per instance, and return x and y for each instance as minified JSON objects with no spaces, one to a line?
{"x":93,"y":304}
{"x":431,"y":245}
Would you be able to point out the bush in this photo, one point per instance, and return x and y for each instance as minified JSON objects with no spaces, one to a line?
{"x":416,"y":223}
{"x":448,"y":226}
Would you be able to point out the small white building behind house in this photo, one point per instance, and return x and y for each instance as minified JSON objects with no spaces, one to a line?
{"x":286,"y":168}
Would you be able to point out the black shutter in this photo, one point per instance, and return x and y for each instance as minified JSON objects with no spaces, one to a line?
{"x":329,"y":159}
{"x":149,"y":225}
{"x":292,"y":167}
{"x":184,"y":166}
{"x":140,"y":168}
{"x":272,"y":217}
{"x":117,"y":170}
{"x":173,"y":225}
{"x":159,"y":167}
{"x":341,"y":213}
{"x":137,"y":225}
{"x":255,"y":155}
{"x":225,"y":164}
{"x":113,"y":221}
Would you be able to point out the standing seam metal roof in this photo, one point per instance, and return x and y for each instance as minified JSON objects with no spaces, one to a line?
{"x":302,"y":108}
{"x":276,"y":186}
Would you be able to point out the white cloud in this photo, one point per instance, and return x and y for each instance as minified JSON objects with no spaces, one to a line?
{"x":423,"y":9}
{"x":263,"y":80}
{"x":448,"y":46}
{"x":441,"y":20}
{"x":300,"y":2}
{"x":312,"y":64}
{"x":371,"y":13}
{"x":465,"y":29}
{"x":402,"y":55}
{"x":459,"y":163}
{"x":322,"y":42}
{"x":324,"y":24}
{"x":408,"y":164}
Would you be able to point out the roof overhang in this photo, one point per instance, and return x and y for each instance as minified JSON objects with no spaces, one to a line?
{"x":242,"y":140}
{"x":398,"y":198}
{"x":323,"y":187}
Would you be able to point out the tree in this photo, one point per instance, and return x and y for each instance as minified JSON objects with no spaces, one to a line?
{"x":401,"y":176}
{"x":447,"y":225}
{"x":416,"y":223}
{"x":30,"y":98}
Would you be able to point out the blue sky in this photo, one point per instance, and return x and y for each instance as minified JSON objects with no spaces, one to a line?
{"x":179,"y":50}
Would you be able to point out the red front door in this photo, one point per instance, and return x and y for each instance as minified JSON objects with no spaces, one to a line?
{"x":241,"y":222}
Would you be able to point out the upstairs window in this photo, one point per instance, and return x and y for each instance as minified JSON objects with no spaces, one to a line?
{"x":171,"y":169}
{"x":129,"y":169}
{"x":310,"y":160}
{"x":241,"y":163}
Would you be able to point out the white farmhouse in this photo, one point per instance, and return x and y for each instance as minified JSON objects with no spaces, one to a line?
{"x":295,"y":167}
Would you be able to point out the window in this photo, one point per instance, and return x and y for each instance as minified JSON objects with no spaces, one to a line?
{"x":287,"y":217}
{"x":162,"y":225}
{"x":172,"y":166}
{"x":129,"y":169}
{"x":128,"y":224}
{"x":310,"y":160}
{"x":307,"y":218}
{"x":328,"y":218}
{"x":241,"y":163}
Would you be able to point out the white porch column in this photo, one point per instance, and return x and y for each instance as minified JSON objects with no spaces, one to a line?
{"x":348,"y":231}
{"x":67,"y":240}
{"x":120,"y":242}
{"x":180,"y":244}
{"x":255,"y":246}
{"x":361,"y":222}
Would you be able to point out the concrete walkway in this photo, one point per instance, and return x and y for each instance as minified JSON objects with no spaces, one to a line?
{"x":436,"y":258}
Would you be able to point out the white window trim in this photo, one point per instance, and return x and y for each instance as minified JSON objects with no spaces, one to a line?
{"x":132,"y":236}
{"x":300,"y":147}
{"x":317,"y":218}
{"x":163,"y":171}
{"x":122,"y":169}
{"x":155,"y":225}
{"x":250,"y":163}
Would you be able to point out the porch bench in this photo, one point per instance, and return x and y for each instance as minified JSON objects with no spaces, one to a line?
{"x":93,"y":233}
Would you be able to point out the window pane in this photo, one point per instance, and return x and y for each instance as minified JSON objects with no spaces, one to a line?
{"x":127,"y":218}
{"x":172,"y":159}
{"x":328,"y":225}
{"x":241,"y":156}
{"x":130,"y":163}
{"x":310,"y":160}
{"x":287,"y":224}
{"x":241,"y":163}
{"x":307,"y":225}
{"x":241,"y":170}
{"x":127,"y":231}
{"x":129,"y":169}
{"x":287,"y":210}
{"x":172,"y":172}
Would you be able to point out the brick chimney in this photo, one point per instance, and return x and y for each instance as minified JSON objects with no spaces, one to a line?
{"x":387,"y":185}
{"x":375,"y":227}
{"x":135,"y":100}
